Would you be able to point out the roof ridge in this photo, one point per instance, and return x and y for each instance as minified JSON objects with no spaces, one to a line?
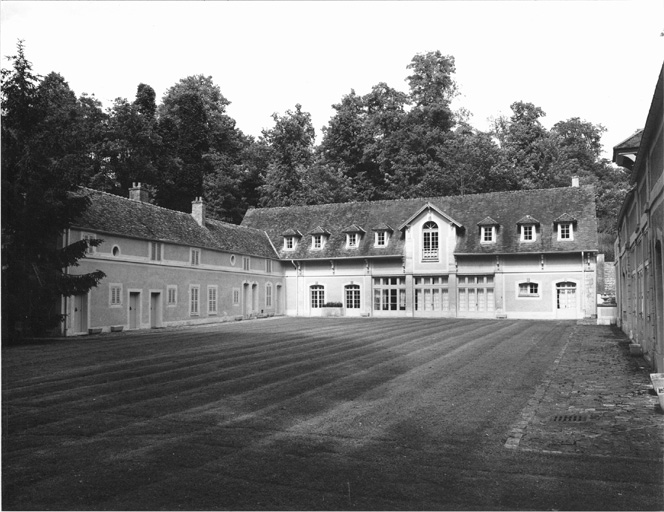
{"x":134,"y":200}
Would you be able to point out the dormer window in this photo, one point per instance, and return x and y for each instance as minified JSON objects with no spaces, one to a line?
{"x":528,"y":229}
{"x":353,"y":236}
{"x":488,"y":228}
{"x":291,"y":239}
{"x":317,"y":241}
{"x":382,"y":234}
{"x":565,"y":227}
{"x":318,"y":238}
{"x":430,"y":242}
{"x":565,"y":231}
{"x":528,"y":233}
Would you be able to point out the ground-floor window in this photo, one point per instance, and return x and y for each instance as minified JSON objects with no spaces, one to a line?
{"x":317,"y":296}
{"x":389,"y":293}
{"x":212,"y":300}
{"x":352,"y":296}
{"x":268,"y":295}
{"x":476,"y":293}
{"x":194,"y":294}
{"x":431,"y":293}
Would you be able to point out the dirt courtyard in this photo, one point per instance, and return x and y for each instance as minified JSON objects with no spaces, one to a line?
{"x":295,"y":414}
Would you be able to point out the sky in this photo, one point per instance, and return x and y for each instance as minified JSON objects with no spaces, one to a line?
{"x":596,"y":60}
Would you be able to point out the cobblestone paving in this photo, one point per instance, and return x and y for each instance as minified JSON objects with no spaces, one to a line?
{"x":604,"y":395}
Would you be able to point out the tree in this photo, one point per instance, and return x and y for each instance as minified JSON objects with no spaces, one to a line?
{"x":38,"y":202}
{"x":291,"y":143}
{"x":202,"y":139}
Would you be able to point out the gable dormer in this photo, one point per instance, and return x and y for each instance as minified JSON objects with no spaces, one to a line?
{"x":354,"y":235}
{"x":319,"y":237}
{"x":565,"y":226}
{"x":382,"y":234}
{"x":528,"y":227}
{"x":488,"y":230}
{"x":291,"y":239}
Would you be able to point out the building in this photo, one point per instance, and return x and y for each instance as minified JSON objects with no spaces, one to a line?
{"x":638,"y":248}
{"x":524,"y":254}
{"x":166,"y":268}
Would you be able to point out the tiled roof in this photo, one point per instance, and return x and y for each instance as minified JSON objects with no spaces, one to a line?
{"x":117,"y":215}
{"x":319,"y":231}
{"x":382,"y":227}
{"x":565,"y":217}
{"x":507,"y":208}
{"x":527,"y":219}
{"x":292,"y":232}
{"x":487,"y":221}
{"x":353,"y":228}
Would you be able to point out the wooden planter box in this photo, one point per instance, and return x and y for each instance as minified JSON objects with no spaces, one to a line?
{"x":331,"y":311}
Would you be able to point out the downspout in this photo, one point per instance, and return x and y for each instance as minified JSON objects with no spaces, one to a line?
{"x":297,"y":289}
{"x":65,"y":304}
{"x":583,"y":283}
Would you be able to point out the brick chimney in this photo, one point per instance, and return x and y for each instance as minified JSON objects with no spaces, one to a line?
{"x":138,"y":193}
{"x":198,"y":211}
{"x":575,"y":181}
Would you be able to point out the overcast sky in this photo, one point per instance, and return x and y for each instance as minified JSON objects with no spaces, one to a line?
{"x":595,"y":60}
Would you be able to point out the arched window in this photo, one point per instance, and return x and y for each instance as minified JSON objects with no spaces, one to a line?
{"x":317,"y":296}
{"x":430,"y":241}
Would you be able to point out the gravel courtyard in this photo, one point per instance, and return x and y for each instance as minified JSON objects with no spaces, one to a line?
{"x":297,"y":414}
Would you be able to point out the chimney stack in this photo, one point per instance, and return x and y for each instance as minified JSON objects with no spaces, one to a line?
{"x":198,"y":211}
{"x":138,"y":193}
{"x":575,"y":181}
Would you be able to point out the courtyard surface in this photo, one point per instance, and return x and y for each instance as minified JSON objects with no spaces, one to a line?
{"x":341,"y":414}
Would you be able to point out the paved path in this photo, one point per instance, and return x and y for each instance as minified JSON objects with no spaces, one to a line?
{"x":594,"y":400}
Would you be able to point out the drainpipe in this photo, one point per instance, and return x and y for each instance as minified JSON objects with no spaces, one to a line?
{"x":583,"y":283}
{"x":297,"y":289}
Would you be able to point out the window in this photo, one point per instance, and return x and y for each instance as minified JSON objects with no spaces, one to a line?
{"x":528,"y":289}
{"x":116,"y":295}
{"x":565,"y":231}
{"x":475,"y":294}
{"x":316,"y":241}
{"x":268,"y":266}
{"x":528,"y":233}
{"x":195,"y":257}
{"x":246,"y":263}
{"x":90,"y":249}
{"x":194,"y":294}
{"x":172,"y":295}
{"x":212,"y":300}
{"x":268,"y":295}
{"x":430,"y":242}
{"x":389,"y":293}
{"x":155,"y":251}
{"x":382,"y":238}
{"x":487,"y":235}
{"x":352,"y":296}
{"x":431,"y":293}
{"x":116,"y":251}
{"x":317,"y":296}
{"x":352,"y":240}
{"x":236,"y":296}
{"x":290,"y":243}
{"x":232,"y":259}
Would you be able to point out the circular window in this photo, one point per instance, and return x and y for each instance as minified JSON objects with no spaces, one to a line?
{"x":232,"y":259}
{"x":116,"y":250}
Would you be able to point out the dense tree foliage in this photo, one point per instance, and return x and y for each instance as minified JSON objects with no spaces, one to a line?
{"x":384,"y":144}
{"x":43,"y":156}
